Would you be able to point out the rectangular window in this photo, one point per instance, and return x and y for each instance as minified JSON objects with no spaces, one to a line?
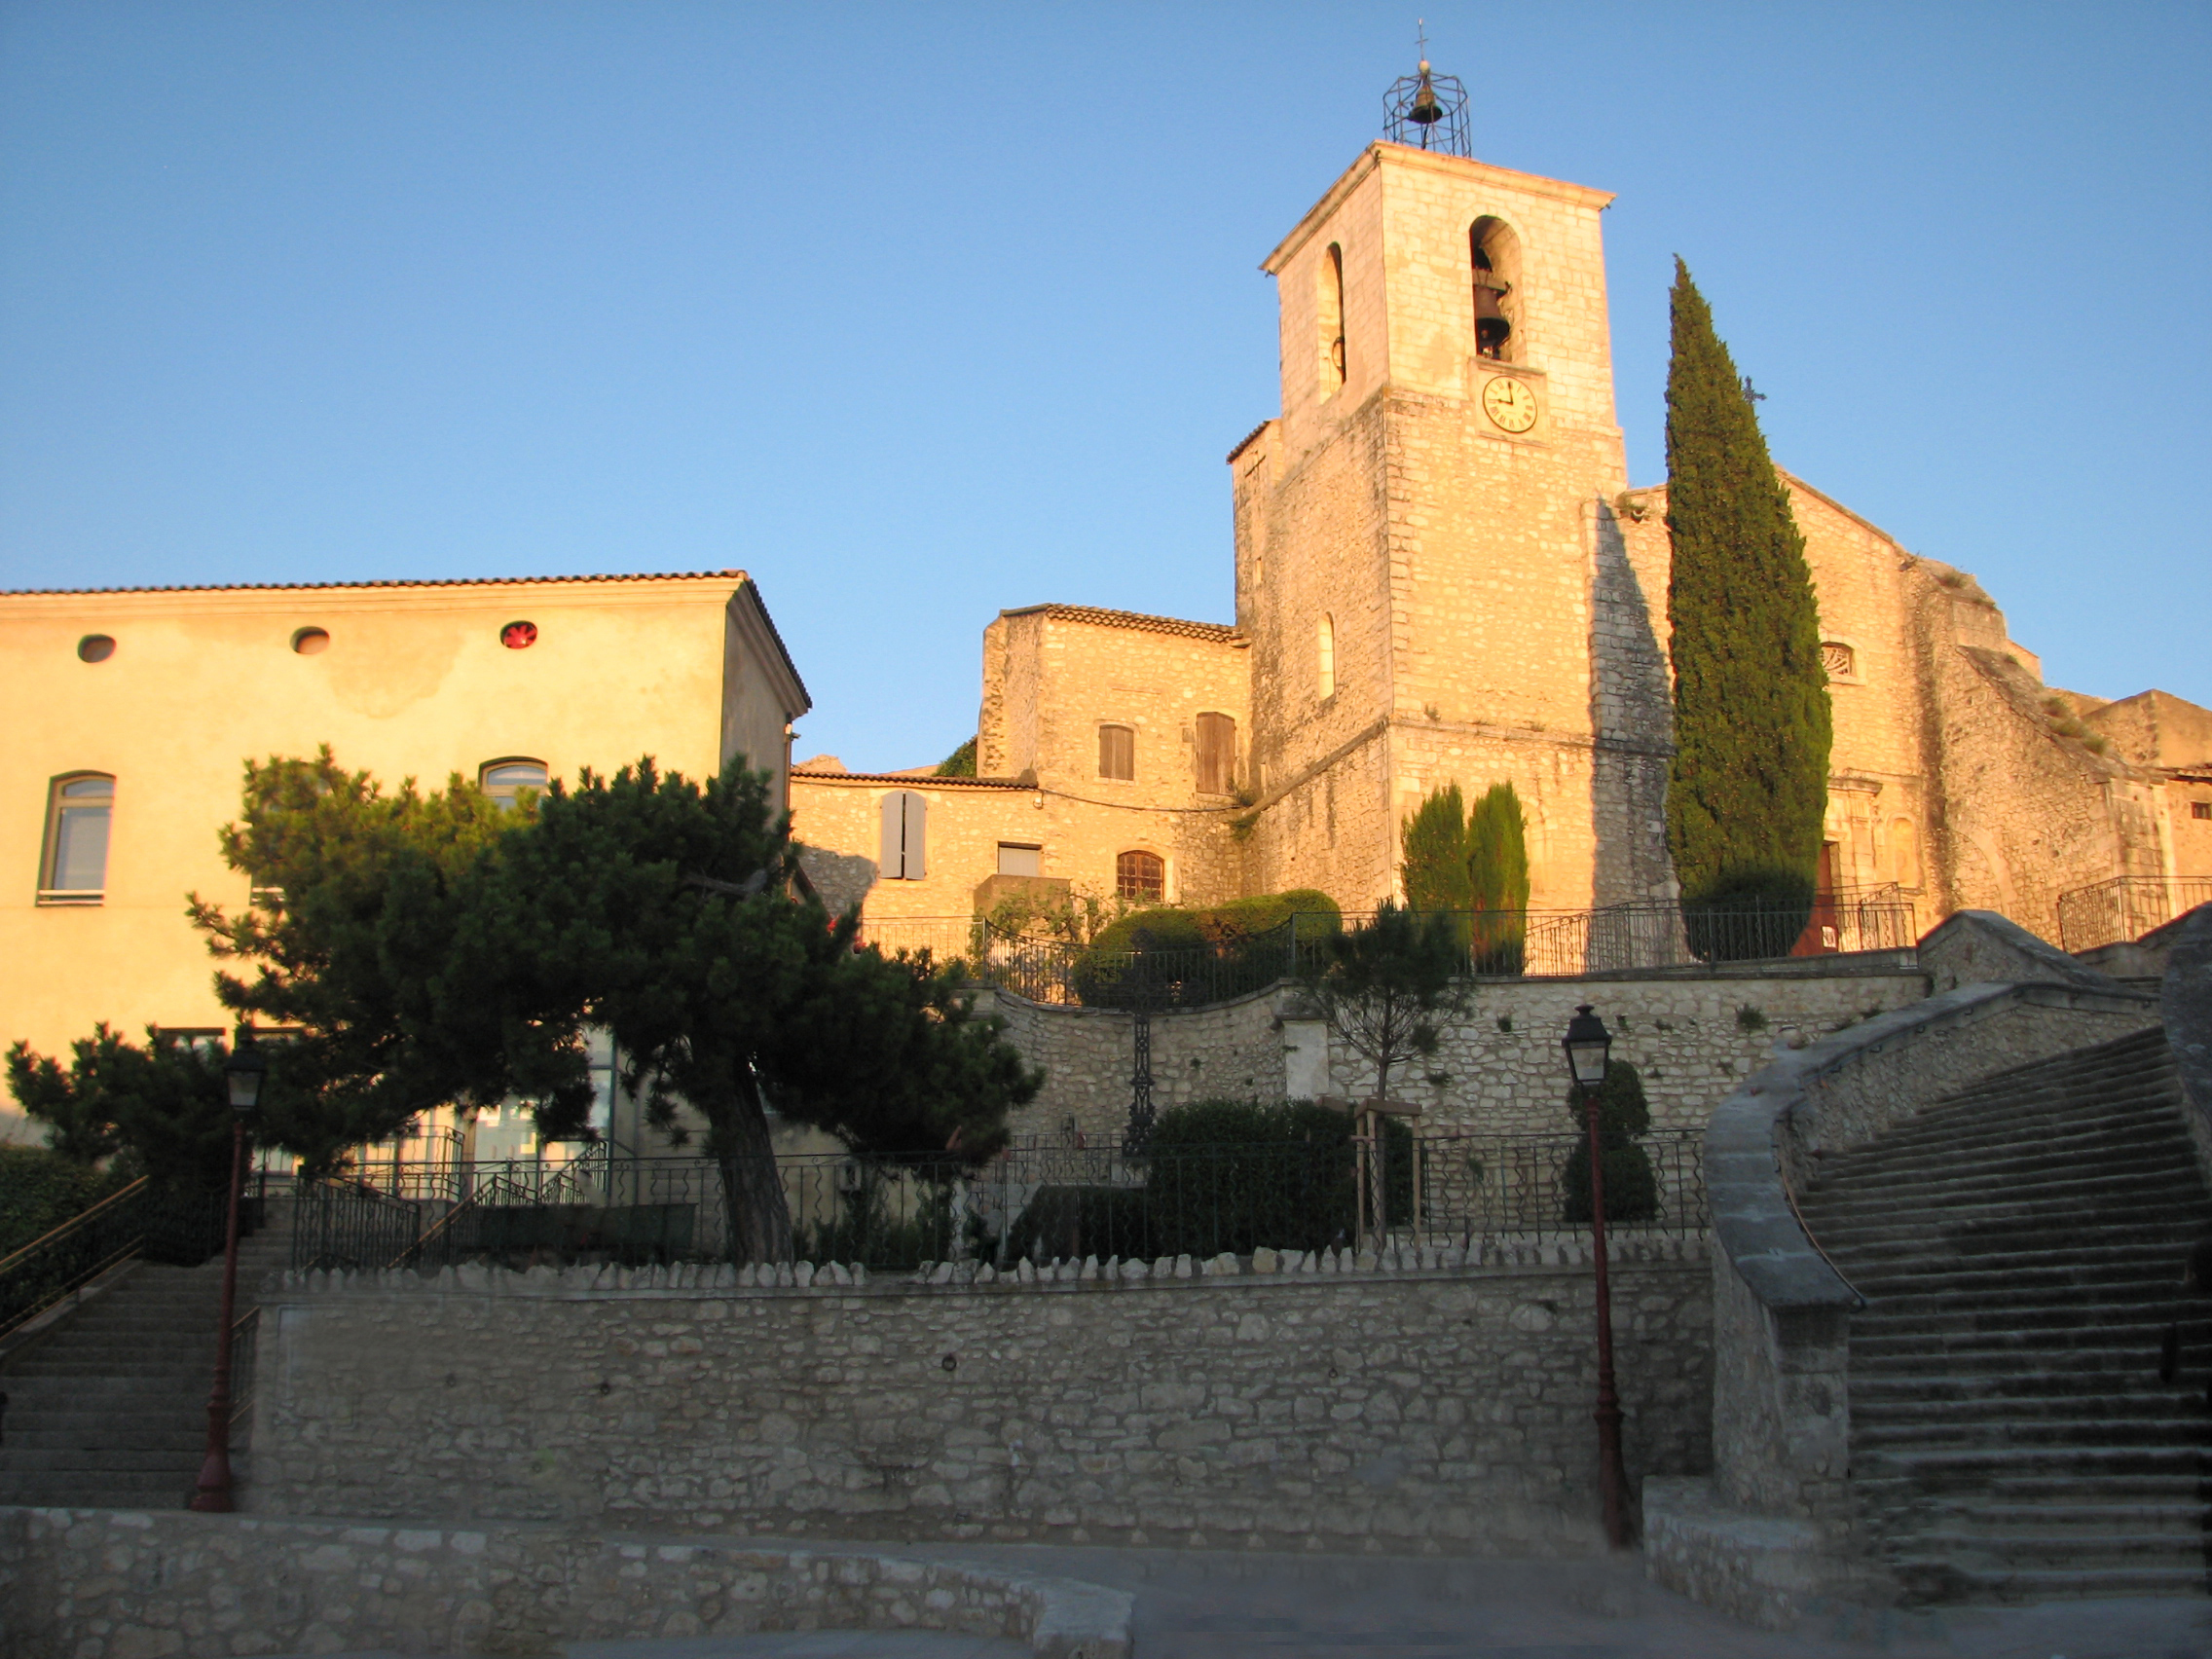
{"x":1117,"y":752}
{"x":1017,"y":859}
{"x":78,"y":813}
{"x":1217,"y":754}
{"x":2200,"y":809}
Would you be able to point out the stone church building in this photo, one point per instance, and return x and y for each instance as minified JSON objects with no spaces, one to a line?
{"x":1443,"y":575}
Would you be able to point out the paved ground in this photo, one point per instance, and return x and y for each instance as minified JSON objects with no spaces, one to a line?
{"x":1215,"y":1605}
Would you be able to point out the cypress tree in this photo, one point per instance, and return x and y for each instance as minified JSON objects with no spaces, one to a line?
{"x":1434,"y":840}
{"x":1748,"y":784}
{"x":1497,"y":877}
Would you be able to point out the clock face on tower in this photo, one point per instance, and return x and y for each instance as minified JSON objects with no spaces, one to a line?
{"x":1510,"y":404}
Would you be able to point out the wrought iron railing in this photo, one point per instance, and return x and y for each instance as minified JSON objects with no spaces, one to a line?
{"x":72,"y":1255}
{"x":245,"y":1343}
{"x":1042,"y":1200}
{"x":2126,"y":908}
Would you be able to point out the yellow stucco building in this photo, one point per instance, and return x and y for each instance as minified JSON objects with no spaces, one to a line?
{"x":129,"y":715}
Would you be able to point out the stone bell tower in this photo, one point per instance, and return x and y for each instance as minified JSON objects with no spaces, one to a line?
{"x":1427,"y":563}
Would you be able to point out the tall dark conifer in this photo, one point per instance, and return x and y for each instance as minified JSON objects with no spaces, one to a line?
{"x":1748,"y":784}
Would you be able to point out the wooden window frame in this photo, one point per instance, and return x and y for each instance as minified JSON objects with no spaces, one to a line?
{"x":51,"y":849}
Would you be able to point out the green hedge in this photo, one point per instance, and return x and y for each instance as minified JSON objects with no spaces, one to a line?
{"x":39,"y":1191}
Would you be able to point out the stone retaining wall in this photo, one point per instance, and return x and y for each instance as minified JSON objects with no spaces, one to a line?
{"x":112,"y":1584}
{"x":1441,"y":1407}
{"x":1695,"y":1034}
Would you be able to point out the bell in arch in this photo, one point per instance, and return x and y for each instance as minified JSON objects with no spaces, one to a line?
{"x":1492,"y":327}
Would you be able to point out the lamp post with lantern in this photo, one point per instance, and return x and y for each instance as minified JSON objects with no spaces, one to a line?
{"x":1589,"y":1051}
{"x":243,"y":1072}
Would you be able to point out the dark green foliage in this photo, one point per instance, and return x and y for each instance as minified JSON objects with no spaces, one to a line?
{"x":960,"y":763}
{"x":1382,"y":987}
{"x":1222,"y":1175}
{"x":1169,"y":956}
{"x":1748,"y":784}
{"x":1631,"y":1188}
{"x":659,"y":910}
{"x":164,"y":1107}
{"x":1498,"y":880}
{"x":40,"y":1190}
{"x":351,"y":942}
{"x":1433,"y":842}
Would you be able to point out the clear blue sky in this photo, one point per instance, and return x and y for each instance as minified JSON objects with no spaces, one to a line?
{"x":918,"y":313}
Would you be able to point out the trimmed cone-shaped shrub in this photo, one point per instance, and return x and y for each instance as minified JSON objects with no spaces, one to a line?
{"x":1748,"y":784}
{"x":1435,"y":843}
{"x":1498,"y":880}
{"x":1631,"y":1188}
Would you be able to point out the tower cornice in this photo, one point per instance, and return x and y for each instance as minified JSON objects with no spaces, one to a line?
{"x":1406,"y":156}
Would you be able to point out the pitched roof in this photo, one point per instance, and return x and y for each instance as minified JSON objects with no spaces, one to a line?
{"x":907,"y":780}
{"x":1219,"y":632}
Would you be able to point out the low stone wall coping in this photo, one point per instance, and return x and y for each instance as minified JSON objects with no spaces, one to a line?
{"x":1263,"y":1270}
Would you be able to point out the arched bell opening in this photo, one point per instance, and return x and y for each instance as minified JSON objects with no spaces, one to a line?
{"x":1494,"y":255}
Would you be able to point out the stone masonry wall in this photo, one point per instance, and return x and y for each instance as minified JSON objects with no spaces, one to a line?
{"x":1694,"y":1036}
{"x":103,"y":1584}
{"x":1443,"y":1408}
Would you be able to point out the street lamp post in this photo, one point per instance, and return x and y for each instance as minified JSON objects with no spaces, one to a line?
{"x":1589,"y":1048}
{"x":243,"y":1072}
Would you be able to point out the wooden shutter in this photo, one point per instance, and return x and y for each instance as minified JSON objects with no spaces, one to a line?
{"x":1117,"y":752}
{"x":892,"y":866}
{"x":916,"y":817}
{"x":1217,"y":754}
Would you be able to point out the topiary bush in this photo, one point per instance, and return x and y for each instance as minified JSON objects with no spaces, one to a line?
{"x":1631,"y":1188}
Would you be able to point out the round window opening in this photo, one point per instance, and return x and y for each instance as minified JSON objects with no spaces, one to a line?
{"x":94,"y":648}
{"x":312,"y":642}
{"x":519,"y":636}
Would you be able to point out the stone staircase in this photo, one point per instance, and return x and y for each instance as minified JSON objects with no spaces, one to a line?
{"x":109,"y":1411}
{"x":2020,"y":1249}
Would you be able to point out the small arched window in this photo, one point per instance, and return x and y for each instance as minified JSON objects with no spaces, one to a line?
{"x":906,"y":836}
{"x":1330,"y":309}
{"x":79,"y":807}
{"x":1325,"y":652}
{"x":505,"y":780}
{"x":1117,"y":752}
{"x":1495,"y":254}
{"x":1141,"y":876}
{"x":1217,"y":754}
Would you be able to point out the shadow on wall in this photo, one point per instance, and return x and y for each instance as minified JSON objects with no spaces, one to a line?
{"x":1632,"y":717}
{"x":844,"y":879}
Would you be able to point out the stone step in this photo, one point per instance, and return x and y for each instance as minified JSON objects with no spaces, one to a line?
{"x":1873,"y":1262}
{"x":1878,"y":1323}
{"x":161,"y":1488}
{"x":1947,"y":1168}
{"x":1951,"y":1468}
{"x":1926,"y":1581}
{"x":2171,"y":1227}
{"x":1938,"y":1294}
{"x":1963,"y":1432}
{"x":107,"y":1459}
{"x":2175,"y":1196}
{"x":2089,"y":1519}
{"x":2062,"y":1394}
{"x":136,"y":1428}
{"x":1905,"y":1359}
{"x":2087,"y":1268}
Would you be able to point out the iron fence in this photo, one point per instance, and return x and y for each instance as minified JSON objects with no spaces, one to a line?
{"x":245,"y":1343}
{"x":2126,"y":908}
{"x":1038,"y":1201}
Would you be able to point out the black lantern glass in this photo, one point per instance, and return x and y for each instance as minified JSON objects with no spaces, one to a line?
{"x":244,"y":1071}
{"x":1588,"y":1045}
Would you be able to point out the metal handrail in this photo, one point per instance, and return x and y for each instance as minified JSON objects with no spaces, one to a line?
{"x":80,"y":1219}
{"x":245,"y":1334}
{"x":443,"y":1223}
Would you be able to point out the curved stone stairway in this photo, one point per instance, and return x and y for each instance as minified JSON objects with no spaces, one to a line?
{"x":2020,"y":1249}
{"x":109,"y":1410}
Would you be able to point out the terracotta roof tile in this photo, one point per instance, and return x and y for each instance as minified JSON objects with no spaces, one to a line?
{"x":1219,"y":632}
{"x":447,"y":582}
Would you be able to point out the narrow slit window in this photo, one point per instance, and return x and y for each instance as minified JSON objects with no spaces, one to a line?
{"x":1217,"y":754}
{"x":505,"y":780}
{"x":1141,"y":876}
{"x":1117,"y":752}
{"x":1325,"y":651}
{"x":1331,"y":313}
{"x":78,"y":814}
{"x":906,"y":836}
